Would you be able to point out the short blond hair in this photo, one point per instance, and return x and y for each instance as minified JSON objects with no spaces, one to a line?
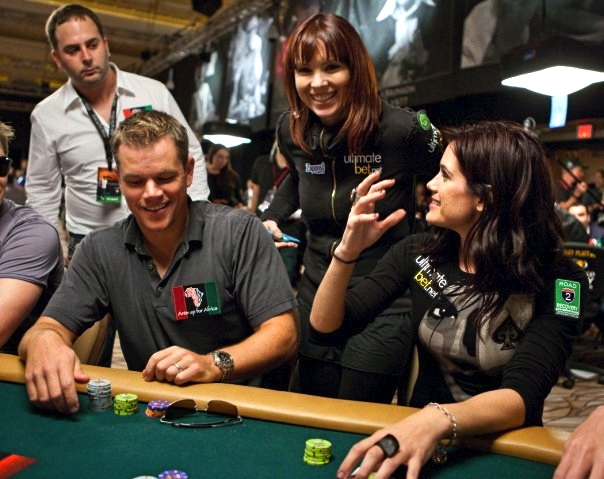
{"x":146,"y":128}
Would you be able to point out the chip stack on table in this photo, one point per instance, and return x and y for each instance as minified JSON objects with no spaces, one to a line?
{"x":156,"y":408}
{"x":317,"y":452}
{"x":99,"y":394}
{"x":125,"y":404}
{"x":173,"y":475}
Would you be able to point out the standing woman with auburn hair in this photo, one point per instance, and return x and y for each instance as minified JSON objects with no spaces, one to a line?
{"x":336,"y":133}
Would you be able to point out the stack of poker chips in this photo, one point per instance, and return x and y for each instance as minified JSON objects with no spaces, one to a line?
{"x":317,"y":452}
{"x":173,"y":475}
{"x":156,"y":408}
{"x":125,"y":404}
{"x":99,"y":394}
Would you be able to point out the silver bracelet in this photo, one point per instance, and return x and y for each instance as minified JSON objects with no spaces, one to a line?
{"x":440,"y":454}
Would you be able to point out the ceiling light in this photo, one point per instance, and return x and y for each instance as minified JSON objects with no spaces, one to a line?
{"x":227,"y":134}
{"x":556,"y":66}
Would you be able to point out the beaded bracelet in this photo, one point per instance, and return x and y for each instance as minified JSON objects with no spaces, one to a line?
{"x":440,"y":454}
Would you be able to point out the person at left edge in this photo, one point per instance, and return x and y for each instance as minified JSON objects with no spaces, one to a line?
{"x":197,"y":290}
{"x":70,"y":129}
{"x":31,"y":259}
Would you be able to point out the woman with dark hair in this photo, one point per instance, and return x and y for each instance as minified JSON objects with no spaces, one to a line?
{"x":496,"y":305}
{"x":223,"y":180}
{"x":336,"y":133}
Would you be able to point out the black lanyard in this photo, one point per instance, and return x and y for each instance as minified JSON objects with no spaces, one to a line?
{"x":101,"y":129}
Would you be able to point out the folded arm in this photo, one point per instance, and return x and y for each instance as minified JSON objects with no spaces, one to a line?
{"x":273,"y":343}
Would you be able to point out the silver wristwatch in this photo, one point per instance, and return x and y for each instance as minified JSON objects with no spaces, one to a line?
{"x":225,"y":363}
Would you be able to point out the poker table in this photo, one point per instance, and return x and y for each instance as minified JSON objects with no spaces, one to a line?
{"x":269,"y":443}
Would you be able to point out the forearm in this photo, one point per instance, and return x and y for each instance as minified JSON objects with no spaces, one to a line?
{"x":45,"y":329}
{"x":273,"y":343}
{"x":284,"y":203}
{"x":328,"y":306}
{"x":487,"y":413}
{"x":570,"y":202}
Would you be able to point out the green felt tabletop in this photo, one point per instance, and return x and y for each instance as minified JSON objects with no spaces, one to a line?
{"x":105,"y":445}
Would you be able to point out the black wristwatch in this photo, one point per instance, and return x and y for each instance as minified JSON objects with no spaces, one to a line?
{"x":225,"y":363}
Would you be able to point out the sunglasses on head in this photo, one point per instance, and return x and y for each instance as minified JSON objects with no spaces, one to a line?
{"x":183,"y":413}
{"x":5,"y":163}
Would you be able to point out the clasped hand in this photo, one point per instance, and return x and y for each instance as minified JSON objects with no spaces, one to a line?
{"x":180,"y":366}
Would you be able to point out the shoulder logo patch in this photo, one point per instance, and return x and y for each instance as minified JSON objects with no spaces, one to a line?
{"x":423,"y":120}
{"x":568,"y":298}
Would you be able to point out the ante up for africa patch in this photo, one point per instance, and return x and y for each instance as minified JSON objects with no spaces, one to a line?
{"x":568,"y":298}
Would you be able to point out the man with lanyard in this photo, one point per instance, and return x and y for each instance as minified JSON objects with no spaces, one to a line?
{"x":71,"y":128}
{"x":268,"y":173}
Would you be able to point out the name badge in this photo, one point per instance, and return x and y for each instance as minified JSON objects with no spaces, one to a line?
{"x":108,"y":187}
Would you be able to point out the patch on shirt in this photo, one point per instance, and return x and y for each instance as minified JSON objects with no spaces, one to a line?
{"x":195,"y":300}
{"x":568,"y":298}
{"x":423,"y":120}
{"x":315,"y":169}
{"x":128,"y":112}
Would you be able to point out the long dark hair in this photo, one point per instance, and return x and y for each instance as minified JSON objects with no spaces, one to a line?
{"x":343,"y":44}
{"x":227,"y":176}
{"x":518,"y":233}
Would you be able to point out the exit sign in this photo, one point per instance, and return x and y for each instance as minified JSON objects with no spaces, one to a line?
{"x":585,"y":131}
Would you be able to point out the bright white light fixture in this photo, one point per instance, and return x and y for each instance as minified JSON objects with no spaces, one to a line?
{"x":227,"y":134}
{"x":558,"y":66}
{"x":555,"y":81}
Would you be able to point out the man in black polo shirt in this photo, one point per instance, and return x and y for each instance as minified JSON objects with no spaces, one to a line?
{"x":197,"y":290}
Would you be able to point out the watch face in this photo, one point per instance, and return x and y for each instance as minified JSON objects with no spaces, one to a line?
{"x":225,"y":358}
{"x":225,"y":362}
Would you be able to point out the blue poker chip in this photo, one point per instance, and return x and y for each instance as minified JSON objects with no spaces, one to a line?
{"x":158,"y":405}
{"x":173,"y":474}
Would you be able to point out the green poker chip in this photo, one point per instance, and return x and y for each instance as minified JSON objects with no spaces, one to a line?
{"x":317,"y":452}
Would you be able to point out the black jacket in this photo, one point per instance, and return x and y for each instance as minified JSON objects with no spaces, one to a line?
{"x":321,"y":183}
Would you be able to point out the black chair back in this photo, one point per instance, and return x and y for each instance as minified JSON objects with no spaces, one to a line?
{"x":591,"y":260}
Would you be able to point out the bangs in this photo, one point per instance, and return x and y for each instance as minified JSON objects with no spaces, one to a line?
{"x":327,"y":45}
